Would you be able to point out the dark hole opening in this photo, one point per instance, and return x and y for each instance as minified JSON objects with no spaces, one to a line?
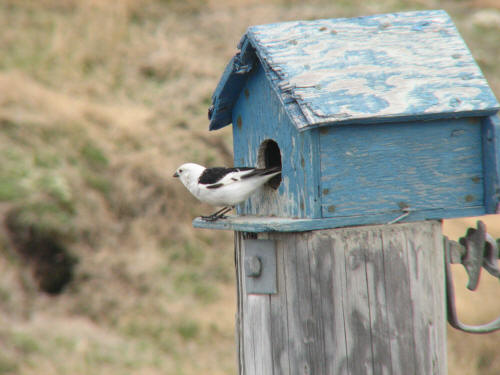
{"x":51,"y":262}
{"x":270,"y":156}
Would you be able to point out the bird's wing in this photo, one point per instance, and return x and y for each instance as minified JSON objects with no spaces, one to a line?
{"x":217,"y":177}
{"x":230,"y":177}
{"x":216,"y":174}
{"x":261,"y":172}
{"x":241,"y":174}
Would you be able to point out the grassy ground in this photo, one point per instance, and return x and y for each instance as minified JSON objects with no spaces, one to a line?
{"x":99,"y":102}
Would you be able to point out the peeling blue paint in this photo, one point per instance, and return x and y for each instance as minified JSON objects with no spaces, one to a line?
{"x":378,"y":62}
{"x":360,"y":57}
{"x":339,"y":101}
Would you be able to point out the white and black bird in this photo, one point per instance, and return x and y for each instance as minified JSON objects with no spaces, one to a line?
{"x":220,"y":186}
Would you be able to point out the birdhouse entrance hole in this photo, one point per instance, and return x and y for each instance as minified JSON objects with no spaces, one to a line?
{"x":270,"y":156}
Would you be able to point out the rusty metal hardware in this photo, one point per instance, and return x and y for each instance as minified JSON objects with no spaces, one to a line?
{"x":475,"y":251}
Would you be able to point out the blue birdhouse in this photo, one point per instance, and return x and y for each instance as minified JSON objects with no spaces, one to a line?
{"x":372,"y":119}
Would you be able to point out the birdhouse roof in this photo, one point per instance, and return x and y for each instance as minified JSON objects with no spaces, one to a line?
{"x":411,"y":65}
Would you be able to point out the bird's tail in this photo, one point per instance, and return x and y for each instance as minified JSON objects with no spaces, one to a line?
{"x":272,"y":170}
{"x":263,"y":172}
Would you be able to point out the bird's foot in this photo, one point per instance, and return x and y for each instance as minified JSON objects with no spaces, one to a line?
{"x":221,"y":214}
{"x":210,"y":218}
{"x":214,"y":217}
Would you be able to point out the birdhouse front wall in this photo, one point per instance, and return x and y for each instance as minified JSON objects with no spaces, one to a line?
{"x":258,"y":116}
{"x":434,"y":167}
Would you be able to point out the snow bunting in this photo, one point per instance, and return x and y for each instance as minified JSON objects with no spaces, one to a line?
{"x":220,"y":186}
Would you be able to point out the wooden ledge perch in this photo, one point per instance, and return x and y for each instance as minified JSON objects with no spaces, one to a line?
{"x":259,"y":224}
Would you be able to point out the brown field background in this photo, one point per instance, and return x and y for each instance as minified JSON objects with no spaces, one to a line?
{"x":100,"y":101}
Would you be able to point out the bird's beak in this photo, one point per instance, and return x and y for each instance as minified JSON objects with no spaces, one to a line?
{"x":176,"y":174}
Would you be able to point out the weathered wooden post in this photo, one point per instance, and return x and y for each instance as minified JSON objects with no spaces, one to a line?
{"x":350,"y":301}
{"x":383,"y":121}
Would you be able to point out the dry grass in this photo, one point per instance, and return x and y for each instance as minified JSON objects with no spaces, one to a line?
{"x":99,"y":102}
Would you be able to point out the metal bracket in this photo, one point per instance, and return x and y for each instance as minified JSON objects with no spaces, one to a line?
{"x":477,"y":249}
{"x":260,"y":266}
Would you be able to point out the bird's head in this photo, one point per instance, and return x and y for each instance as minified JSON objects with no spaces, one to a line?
{"x":189,"y":173}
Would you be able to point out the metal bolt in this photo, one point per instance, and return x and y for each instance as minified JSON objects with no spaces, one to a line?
{"x":253,"y":266}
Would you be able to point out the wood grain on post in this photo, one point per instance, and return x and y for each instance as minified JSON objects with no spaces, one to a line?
{"x":363,"y":300}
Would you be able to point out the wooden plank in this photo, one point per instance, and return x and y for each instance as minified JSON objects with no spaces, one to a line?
{"x":439,"y":319}
{"x":399,"y":306}
{"x":425,"y":165}
{"x":279,"y":312}
{"x":240,"y":290}
{"x":357,"y":306}
{"x":316,"y":172}
{"x":259,"y":224}
{"x":421,"y":292}
{"x":491,"y":163}
{"x":310,"y":311}
{"x":329,"y":265}
{"x":246,"y":332}
{"x":258,"y":331}
{"x":398,"y":299}
{"x":377,"y":300}
{"x":298,"y":307}
{"x":425,"y":266}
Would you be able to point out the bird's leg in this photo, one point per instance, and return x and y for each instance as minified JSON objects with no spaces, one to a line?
{"x":217,"y":215}
{"x":222,"y":215}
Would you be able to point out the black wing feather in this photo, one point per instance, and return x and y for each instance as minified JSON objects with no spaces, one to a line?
{"x":215,"y":174}
{"x":261,"y":172}
{"x":214,"y":186}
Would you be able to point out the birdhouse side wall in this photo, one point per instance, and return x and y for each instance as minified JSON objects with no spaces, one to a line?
{"x":434,"y":167}
{"x":491,"y":161}
{"x":259,"y":115}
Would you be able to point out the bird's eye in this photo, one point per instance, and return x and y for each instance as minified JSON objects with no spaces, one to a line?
{"x":180,"y":170}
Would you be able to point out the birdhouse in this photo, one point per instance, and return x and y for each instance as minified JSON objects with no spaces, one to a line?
{"x":371,"y":119}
